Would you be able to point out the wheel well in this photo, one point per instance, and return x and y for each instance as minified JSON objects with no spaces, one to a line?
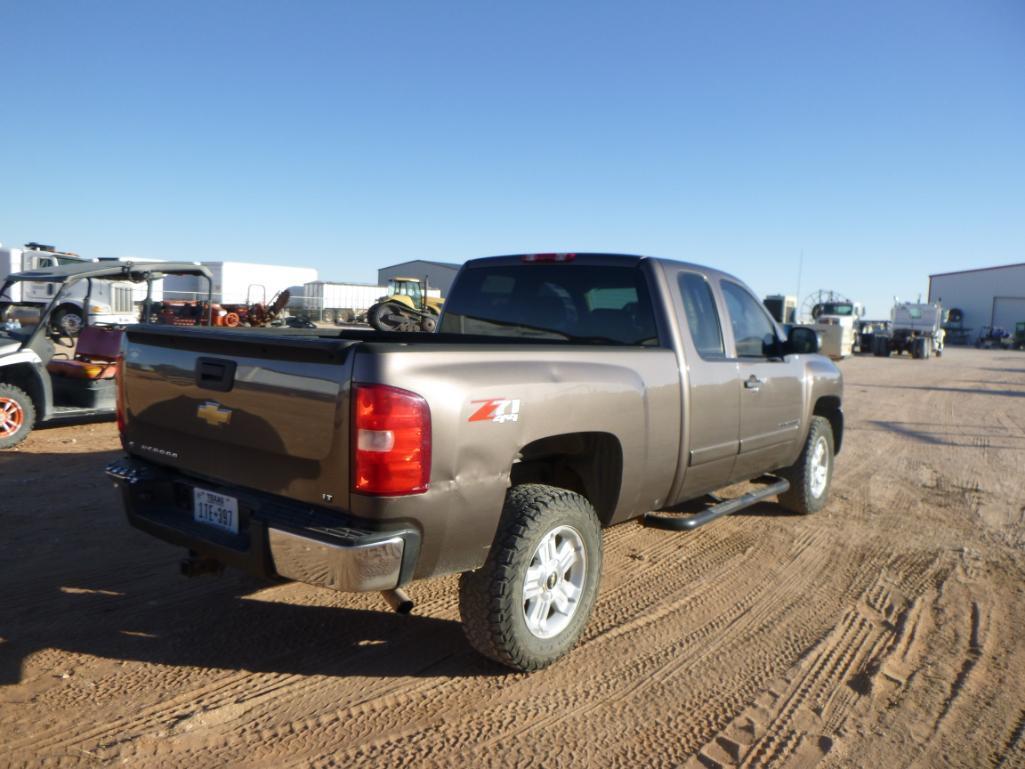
{"x":24,"y":375}
{"x":829,"y":407}
{"x":65,"y":306}
{"x":590,"y":464}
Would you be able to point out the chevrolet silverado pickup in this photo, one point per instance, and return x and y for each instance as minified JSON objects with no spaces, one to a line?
{"x":561,"y":394}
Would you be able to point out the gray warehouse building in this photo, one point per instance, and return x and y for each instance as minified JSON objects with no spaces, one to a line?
{"x":990,"y":296}
{"x":439,"y":274}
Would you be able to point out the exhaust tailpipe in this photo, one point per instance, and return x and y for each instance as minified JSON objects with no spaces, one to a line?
{"x":398,"y":600}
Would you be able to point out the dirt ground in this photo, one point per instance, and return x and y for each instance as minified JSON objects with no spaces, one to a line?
{"x":886,"y":631}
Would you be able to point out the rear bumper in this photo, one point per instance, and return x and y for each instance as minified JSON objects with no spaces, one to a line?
{"x":276,"y":537}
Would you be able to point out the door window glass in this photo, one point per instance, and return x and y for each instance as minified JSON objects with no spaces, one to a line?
{"x":753,"y":332}
{"x":702,"y":315}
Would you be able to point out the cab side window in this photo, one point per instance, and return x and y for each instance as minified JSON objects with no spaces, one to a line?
{"x":702,"y":315}
{"x":753,"y":332}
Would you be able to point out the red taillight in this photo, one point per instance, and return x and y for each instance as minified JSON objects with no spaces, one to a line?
{"x":119,"y":388}
{"x":391,"y":441}
{"x":548,"y":257}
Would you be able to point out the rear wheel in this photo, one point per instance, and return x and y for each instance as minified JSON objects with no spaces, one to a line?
{"x":881,"y":347}
{"x":17,"y":415}
{"x":811,"y":475}
{"x":529,"y":603}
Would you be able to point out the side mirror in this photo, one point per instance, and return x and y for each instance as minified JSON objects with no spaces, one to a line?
{"x":803,"y":340}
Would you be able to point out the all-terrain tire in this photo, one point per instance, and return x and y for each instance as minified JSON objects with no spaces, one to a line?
{"x":491,"y":599}
{"x":17,"y":415}
{"x":809,"y":491}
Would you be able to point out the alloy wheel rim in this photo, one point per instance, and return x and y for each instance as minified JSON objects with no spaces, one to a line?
{"x":71,"y":323}
{"x":554,"y":583}
{"x":819,"y":468}
{"x":12,"y":417}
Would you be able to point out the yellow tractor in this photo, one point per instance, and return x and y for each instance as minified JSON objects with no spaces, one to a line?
{"x":406,"y":308}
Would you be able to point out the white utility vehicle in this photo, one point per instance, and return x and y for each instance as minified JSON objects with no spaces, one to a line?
{"x":915,"y":328}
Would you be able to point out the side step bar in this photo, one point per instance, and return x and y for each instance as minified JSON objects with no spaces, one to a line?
{"x":675,"y":523}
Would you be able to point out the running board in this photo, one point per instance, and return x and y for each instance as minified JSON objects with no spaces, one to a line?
{"x":674,"y":523}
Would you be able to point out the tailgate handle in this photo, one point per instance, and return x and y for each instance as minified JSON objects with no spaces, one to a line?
{"x":215,"y":374}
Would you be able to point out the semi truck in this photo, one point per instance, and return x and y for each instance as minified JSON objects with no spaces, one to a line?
{"x":836,"y":320}
{"x":112,"y":303}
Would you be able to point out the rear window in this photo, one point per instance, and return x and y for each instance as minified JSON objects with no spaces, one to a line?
{"x":553,"y":301}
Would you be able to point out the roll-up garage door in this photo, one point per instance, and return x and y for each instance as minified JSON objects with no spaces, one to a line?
{"x":1008,"y":310}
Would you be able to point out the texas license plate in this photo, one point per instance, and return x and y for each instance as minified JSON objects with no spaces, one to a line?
{"x":215,"y":509}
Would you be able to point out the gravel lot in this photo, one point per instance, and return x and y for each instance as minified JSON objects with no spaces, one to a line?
{"x":886,"y":631}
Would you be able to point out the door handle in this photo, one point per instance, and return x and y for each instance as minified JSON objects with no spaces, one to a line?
{"x":753,"y":382}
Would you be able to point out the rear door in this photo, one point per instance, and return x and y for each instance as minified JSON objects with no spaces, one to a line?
{"x":711,"y":392}
{"x":771,"y":386}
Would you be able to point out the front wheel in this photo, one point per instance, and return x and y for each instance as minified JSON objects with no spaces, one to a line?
{"x":68,"y":322}
{"x":811,"y":475}
{"x":529,"y":603}
{"x":17,"y":415}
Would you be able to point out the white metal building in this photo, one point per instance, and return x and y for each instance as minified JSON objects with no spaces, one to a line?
{"x":439,"y":274}
{"x":990,"y":296}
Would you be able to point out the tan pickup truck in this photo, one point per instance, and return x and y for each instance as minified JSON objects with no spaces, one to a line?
{"x":562,"y":393}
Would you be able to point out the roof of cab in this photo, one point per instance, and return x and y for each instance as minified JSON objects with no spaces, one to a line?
{"x":592,"y":259}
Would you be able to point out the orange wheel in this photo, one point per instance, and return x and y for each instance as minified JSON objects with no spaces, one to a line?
{"x":12,"y":417}
{"x":231,"y":320}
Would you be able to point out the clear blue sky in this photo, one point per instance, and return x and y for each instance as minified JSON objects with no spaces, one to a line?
{"x":884,"y":140}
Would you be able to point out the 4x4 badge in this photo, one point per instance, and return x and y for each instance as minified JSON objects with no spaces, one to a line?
{"x":213,"y":414}
{"x":496,"y":410}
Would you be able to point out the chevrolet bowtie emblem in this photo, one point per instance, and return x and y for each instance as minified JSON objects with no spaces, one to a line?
{"x":212,"y":413}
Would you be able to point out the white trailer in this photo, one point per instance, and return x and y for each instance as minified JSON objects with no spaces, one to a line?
{"x":782,"y":308}
{"x":339,"y":302}
{"x":330,"y":301}
{"x":239,"y":282}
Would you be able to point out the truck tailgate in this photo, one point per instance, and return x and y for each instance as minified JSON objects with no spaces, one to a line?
{"x":262,"y":410}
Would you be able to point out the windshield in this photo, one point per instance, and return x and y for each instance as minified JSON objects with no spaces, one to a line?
{"x":578,"y":303}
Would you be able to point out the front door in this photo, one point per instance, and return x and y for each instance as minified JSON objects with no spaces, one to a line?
{"x":771,"y":390}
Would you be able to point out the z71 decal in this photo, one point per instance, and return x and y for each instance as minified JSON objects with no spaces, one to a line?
{"x":496,"y":410}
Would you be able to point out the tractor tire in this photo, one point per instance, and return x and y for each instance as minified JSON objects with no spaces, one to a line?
{"x":811,"y":475}
{"x":528,"y":604}
{"x":17,"y":415}
{"x":390,"y":316}
{"x":429,"y":323}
